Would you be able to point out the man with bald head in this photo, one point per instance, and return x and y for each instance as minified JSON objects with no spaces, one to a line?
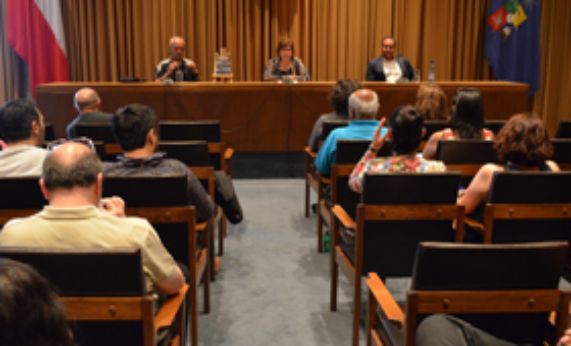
{"x":177,"y":68}
{"x":363,"y":109}
{"x":389,"y":67}
{"x":88,"y":104}
{"x":77,"y":218}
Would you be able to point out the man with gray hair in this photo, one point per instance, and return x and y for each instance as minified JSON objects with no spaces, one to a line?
{"x":88,"y":104}
{"x":177,"y":68}
{"x":77,"y":218}
{"x":363,"y":109}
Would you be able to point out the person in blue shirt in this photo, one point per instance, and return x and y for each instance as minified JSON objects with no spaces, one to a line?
{"x":363,"y":109}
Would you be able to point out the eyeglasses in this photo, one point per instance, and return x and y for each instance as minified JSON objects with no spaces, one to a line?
{"x":81,"y":140}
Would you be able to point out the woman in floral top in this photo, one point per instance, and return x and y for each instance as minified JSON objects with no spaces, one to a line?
{"x":406,"y":127}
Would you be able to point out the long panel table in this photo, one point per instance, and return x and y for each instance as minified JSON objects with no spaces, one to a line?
{"x":258,"y":116}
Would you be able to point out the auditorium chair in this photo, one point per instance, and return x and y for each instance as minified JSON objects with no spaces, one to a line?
{"x":195,"y":155}
{"x":528,"y":206}
{"x":104,"y":295}
{"x":312,"y":178}
{"x":563,"y":129}
{"x":494,"y":125}
{"x":466,"y":156}
{"x":162,"y":200}
{"x":21,"y":197}
{"x":206,"y":130}
{"x":49,"y":133}
{"x":562,"y":153}
{"x":507,"y":290}
{"x":100,"y":133}
{"x":396,"y":211}
{"x":348,"y":152}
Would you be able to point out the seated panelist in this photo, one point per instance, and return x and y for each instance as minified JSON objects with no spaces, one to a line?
{"x":177,"y":68}
{"x":285,"y":66}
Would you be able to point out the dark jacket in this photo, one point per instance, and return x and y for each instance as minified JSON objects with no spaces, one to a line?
{"x":88,"y":118}
{"x":375,"y":69}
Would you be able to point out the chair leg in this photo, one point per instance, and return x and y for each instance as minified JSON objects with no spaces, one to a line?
{"x":307,"y":199}
{"x":334,"y":278}
{"x":206,"y":289}
{"x":221,"y":234}
{"x":211,"y":254}
{"x":356,"y":309}
{"x":194,"y":313}
{"x":319,"y":231}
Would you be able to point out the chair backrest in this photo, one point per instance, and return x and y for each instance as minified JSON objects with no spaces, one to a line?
{"x":432,"y":126}
{"x":512,"y":269}
{"x":207,"y":130}
{"x":562,"y":152}
{"x":96,"y":132}
{"x":528,"y":206}
{"x":351,"y":150}
{"x":398,"y":210}
{"x":145,"y":196}
{"x":191,"y":153}
{"x":563,"y":129}
{"x":21,"y":197}
{"x":90,"y":282}
{"x":94,"y":272}
{"x":331,"y":125}
{"x":466,"y":151}
{"x":49,"y":134}
{"x":494,"y":125}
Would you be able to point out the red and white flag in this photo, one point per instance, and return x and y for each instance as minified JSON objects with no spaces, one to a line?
{"x":34,"y":29}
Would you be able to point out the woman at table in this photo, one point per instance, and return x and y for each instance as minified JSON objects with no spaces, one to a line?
{"x":467,"y":121}
{"x":285,"y":66}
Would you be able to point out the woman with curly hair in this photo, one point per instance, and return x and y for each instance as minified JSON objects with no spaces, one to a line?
{"x":431,"y":102}
{"x":522,"y":145}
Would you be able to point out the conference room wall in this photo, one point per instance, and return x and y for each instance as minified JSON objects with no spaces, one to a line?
{"x":335,"y":38}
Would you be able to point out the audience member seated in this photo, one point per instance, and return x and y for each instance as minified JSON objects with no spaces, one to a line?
{"x":467,"y":121}
{"x":136,"y":130}
{"x":522,"y":145}
{"x":405,"y":130}
{"x":389,"y":67}
{"x":77,"y":217}
{"x":177,"y":67}
{"x":339,"y":100}
{"x":431,"y":102}
{"x":285,"y":65}
{"x":363,"y":108}
{"x":88,"y":104}
{"x":439,"y":329}
{"x":22,"y":128}
{"x":30,"y":313}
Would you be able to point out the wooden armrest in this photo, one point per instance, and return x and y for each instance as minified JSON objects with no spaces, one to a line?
{"x":385,"y":300}
{"x":309,"y":152}
{"x":474,"y":224}
{"x":202,"y":226}
{"x":228,"y":153}
{"x":324,"y":180}
{"x":168,"y":311}
{"x":341,"y":215}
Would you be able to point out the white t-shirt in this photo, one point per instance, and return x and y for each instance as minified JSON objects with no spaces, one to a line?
{"x":22,"y":160}
{"x":392,"y":70}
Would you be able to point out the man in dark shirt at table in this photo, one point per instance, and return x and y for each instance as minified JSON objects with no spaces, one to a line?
{"x":389,"y":67}
{"x":135,"y":129}
{"x":176,"y":67}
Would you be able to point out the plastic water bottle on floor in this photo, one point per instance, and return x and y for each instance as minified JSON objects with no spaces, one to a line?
{"x":326,"y":242}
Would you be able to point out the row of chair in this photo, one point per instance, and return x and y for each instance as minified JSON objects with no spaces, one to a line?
{"x":397,"y":211}
{"x":170,"y":215}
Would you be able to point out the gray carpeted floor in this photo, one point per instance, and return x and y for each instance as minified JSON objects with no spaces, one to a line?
{"x":274,"y":287}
